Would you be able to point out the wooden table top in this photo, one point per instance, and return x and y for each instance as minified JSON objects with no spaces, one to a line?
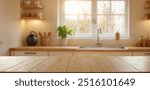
{"x":75,"y":64}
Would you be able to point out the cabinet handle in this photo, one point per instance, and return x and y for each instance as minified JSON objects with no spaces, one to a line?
{"x":148,"y":54}
{"x":30,"y":53}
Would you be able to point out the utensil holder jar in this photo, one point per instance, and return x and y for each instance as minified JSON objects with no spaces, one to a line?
{"x":45,"y":41}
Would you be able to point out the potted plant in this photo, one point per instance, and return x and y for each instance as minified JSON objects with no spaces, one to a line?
{"x":63,"y":33}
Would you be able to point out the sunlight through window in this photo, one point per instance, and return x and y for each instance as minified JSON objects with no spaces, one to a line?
{"x":85,"y":16}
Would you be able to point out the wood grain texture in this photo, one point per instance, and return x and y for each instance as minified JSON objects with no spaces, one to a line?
{"x":27,"y":65}
{"x":138,"y":62}
{"x":75,"y":64}
{"x":53,"y":64}
{"x":109,"y":64}
{"x":9,"y":62}
{"x":79,"y":64}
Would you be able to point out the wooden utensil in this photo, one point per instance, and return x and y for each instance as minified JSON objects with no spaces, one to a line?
{"x":45,"y":34}
{"x":40,"y":34}
{"x":49,"y":34}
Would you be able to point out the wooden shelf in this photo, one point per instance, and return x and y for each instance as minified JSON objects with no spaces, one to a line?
{"x":148,"y":7}
{"x":32,"y":18}
{"x":147,"y":17}
{"x":31,"y":7}
{"x":148,"y":1}
{"x":147,"y":4}
{"x":31,"y":11}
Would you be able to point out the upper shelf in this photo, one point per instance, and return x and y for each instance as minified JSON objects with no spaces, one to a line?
{"x":147,"y":4}
{"x":31,"y":7}
{"x":32,"y":18}
{"x":31,"y":10}
{"x":148,"y":7}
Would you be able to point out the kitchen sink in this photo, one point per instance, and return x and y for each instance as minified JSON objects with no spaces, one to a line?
{"x":101,"y":48}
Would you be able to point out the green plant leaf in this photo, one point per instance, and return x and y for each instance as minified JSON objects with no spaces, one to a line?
{"x":64,"y":32}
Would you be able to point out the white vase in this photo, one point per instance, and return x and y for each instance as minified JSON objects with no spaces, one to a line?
{"x":63,"y":42}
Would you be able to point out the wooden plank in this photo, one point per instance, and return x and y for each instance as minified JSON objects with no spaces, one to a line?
{"x":109,"y":64}
{"x":31,"y":7}
{"x":75,"y":64}
{"x":98,"y":64}
{"x":53,"y":64}
{"x":138,"y":62}
{"x":8,"y":62}
{"x":79,"y":64}
{"x":27,"y":65}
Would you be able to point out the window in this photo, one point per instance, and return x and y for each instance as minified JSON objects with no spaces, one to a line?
{"x":86,"y":16}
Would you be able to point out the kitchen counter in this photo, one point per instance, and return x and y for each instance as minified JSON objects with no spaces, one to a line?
{"x":139,"y":48}
{"x":75,"y":64}
{"x":45,"y":48}
{"x":74,"y":48}
{"x":78,"y":50}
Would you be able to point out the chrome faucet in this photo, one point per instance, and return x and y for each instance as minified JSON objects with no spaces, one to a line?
{"x":99,"y":41}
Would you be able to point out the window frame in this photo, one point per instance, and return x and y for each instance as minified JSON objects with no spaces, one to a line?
{"x":61,"y":21}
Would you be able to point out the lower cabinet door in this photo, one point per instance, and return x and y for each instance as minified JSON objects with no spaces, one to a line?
{"x":141,"y":53}
{"x":29,"y":53}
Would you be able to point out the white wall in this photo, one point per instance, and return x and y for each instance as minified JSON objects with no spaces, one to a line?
{"x":50,"y":22}
{"x":138,"y":26}
{"x":10,"y":25}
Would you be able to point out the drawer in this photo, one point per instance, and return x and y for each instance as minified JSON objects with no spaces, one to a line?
{"x":30,"y":53}
{"x":141,"y":53}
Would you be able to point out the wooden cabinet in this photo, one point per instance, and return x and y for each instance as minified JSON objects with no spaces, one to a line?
{"x":61,"y":53}
{"x":147,"y":4}
{"x":141,"y":53}
{"x":147,"y":7}
{"x":29,"y":53}
{"x":42,"y":53}
{"x":31,"y":9}
{"x":104,"y":53}
{"x":73,"y":51}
